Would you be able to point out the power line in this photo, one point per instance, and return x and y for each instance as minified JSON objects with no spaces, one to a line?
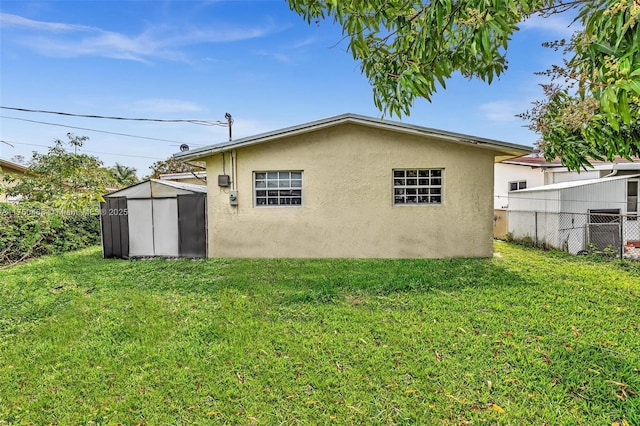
{"x":157,"y":120}
{"x":90,"y":152}
{"x":98,"y":131}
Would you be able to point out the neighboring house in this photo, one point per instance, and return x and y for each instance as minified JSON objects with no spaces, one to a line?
{"x":573,"y":215}
{"x":7,"y":167}
{"x":533,"y":170}
{"x":352,"y":186}
{"x":196,"y":178}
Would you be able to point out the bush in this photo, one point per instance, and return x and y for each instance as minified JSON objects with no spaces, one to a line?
{"x":34,"y":229}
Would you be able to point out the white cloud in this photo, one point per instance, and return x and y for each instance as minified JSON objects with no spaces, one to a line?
{"x":304,"y":43}
{"x":558,"y":25}
{"x":277,"y":56}
{"x":59,"y":39}
{"x":7,"y":19}
{"x":502,"y":110}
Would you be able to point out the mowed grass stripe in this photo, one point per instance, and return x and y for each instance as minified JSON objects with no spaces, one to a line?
{"x":530,"y":337}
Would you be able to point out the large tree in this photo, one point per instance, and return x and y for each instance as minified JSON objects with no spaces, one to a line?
{"x":409,"y":48}
{"x":63,"y":177}
{"x":124,"y":175}
{"x":592,"y":105}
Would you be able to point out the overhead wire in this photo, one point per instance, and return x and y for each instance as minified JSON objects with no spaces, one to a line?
{"x":87,"y":151}
{"x":158,"y":120}
{"x":96,"y":130}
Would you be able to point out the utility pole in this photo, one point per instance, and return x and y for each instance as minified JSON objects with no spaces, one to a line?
{"x":229,"y":124}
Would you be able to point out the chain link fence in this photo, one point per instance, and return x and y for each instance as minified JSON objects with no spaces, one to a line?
{"x":578,"y":233}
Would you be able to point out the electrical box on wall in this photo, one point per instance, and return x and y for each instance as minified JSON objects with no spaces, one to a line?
{"x":233,"y":198}
{"x":224,"y":180}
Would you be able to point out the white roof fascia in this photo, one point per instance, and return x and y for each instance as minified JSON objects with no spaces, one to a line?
{"x":532,"y":165}
{"x":607,"y":166}
{"x":495,"y":145}
{"x":168,"y":176}
{"x":573,"y":184}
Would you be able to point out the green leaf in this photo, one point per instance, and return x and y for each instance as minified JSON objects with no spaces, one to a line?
{"x":623,"y":107}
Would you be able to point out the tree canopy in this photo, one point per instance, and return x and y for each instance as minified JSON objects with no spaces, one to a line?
{"x":124,"y":175}
{"x":409,"y":48}
{"x":63,"y":178}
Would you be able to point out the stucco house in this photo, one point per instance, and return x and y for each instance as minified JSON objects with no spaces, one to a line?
{"x":10,"y":168}
{"x":352,"y":186}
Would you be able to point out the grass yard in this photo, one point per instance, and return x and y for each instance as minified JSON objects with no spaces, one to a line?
{"x":529,"y":337}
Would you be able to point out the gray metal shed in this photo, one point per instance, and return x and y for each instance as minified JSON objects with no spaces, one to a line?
{"x":572,"y":215}
{"x":155,"y":218}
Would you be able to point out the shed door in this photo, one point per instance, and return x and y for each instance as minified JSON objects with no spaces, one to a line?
{"x":115,"y":227}
{"x":192,"y":225}
{"x":165,"y":227}
{"x":141,"y":228}
{"x":604,"y":228}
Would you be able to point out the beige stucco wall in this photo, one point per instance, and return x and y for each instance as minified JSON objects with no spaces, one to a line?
{"x":348,"y":206}
{"x":500,"y":224}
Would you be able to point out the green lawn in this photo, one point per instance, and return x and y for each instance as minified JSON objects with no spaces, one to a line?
{"x":529,"y":337}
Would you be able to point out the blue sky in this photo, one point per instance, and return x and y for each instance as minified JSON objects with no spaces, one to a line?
{"x":200,"y":59}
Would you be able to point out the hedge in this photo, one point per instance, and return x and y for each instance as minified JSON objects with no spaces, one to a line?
{"x":31,"y":229}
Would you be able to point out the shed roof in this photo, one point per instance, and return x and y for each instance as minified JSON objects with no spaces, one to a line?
{"x":507,"y":149}
{"x":572,"y":184}
{"x":155,"y":188}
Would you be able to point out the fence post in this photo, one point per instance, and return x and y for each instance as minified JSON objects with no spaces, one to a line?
{"x":621,"y":236}
{"x":535,"y":235}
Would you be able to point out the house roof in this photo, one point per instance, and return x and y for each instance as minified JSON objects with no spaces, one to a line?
{"x":183,"y":175}
{"x":155,"y":188}
{"x":507,"y":149}
{"x":572,"y":184}
{"x":5,"y":164}
{"x":537,"y":160}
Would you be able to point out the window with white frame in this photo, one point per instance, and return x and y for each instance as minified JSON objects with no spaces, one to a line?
{"x":520,"y":184}
{"x":277,"y":188}
{"x":417,"y":186}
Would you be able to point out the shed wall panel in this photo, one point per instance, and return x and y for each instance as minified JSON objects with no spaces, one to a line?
{"x":604,"y":195}
{"x":165,"y":225}
{"x":540,"y":201}
{"x":192,"y":225}
{"x":114,"y":226}
{"x":140,"y":228}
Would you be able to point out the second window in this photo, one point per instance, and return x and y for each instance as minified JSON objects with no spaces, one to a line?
{"x":278,"y":188}
{"x":417,"y":186}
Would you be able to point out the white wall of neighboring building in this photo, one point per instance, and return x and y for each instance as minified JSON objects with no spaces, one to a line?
{"x":554,"y":176}
{"x":506,"y":173}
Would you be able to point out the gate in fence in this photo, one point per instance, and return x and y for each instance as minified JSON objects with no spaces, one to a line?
{"x":604,"y":230}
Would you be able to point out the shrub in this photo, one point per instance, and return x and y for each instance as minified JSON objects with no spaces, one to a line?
{"x":34,"y":229}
